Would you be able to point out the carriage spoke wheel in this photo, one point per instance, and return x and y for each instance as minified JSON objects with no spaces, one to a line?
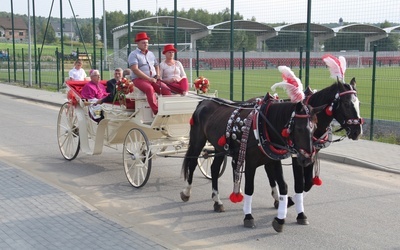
{"x":136,"y":157}
{"x":68,"y":132}
{"x":204,"y":162}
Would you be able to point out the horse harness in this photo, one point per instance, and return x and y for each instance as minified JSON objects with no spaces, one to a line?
{"x":237,"y":131}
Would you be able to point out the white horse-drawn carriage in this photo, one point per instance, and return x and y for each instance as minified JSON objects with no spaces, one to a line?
{"x":143,"y":136}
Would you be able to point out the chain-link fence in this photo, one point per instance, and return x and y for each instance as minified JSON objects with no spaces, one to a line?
{"x":240,"y":58}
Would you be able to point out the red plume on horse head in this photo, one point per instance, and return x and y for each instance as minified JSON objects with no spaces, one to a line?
{"x":292,"y":84}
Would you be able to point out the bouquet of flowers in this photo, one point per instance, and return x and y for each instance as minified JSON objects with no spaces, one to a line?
{"x":202,"y":85}
{"x":122,"y":88}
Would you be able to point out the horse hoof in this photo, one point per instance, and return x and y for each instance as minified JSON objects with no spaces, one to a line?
{"x":276,"y":204}
{"x":302,"y":219}
{"x":218,"y":207}
{"x":249,"y":221}
{"x":184,"y":197}
{"x":277,"y":224}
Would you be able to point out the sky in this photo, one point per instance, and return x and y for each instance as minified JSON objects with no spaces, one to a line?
{"x":266,"y":11}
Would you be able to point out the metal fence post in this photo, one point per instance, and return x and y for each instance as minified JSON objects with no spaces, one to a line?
{"x":371,"y":131}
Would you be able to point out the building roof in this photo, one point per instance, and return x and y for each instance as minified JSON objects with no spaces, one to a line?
{"x":19,"y":23}
{"x":166,"y":21}
{"x":302,"y":27}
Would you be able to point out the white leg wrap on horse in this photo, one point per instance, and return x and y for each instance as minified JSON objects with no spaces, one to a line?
{"x":275,"y":193}
{"x":282,"y":208}
{"x":298,"y":202}
{"x":215,"y":197}
{"x":187,"y":190}
{"x":247,"y":204}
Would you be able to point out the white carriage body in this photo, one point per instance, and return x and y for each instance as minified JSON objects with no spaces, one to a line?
{"x":163,"y":134}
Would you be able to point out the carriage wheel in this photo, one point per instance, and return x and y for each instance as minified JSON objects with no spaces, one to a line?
{"x":68,"y":132}
{"x":136,"y":157}
{"x":204,"y":164}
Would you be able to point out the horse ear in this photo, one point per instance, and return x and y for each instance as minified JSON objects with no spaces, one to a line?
{"x":340,"y":86}
{"x":316,"y":110}
{"x":353,"y":82}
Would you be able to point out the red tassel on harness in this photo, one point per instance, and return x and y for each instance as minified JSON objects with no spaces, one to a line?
{"x":317,"y":181}
{"x":191,"y":122}
{"x":285,"y":132}
{"x":222,"y":141}
{"x":236,"y":197}
{"x":328,"y":111}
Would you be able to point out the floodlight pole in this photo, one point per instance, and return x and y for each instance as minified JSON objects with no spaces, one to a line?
{"x":308,"y":44}
{"x":231,"y":51}
{"x":105,"y":34}
{"x":94,"y":35}
{"x":175,"y":27}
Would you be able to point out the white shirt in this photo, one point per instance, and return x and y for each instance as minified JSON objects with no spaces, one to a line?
{"x":169,"y":72}
{"x":77,"y":74}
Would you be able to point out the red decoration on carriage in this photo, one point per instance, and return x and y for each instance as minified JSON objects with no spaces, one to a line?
{"x":123,"y":87}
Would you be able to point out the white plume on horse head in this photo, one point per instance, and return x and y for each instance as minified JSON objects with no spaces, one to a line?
{"x":337,"y":66}
{"x":290,"y":83}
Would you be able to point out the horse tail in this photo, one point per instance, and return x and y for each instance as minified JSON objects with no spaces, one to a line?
{"x":197,"y":140}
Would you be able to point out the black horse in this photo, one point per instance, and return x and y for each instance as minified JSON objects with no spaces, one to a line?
{"x":343,"y":105}
{"x":231,"y":129}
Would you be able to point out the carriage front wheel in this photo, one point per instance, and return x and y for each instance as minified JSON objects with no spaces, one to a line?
{"x":136,"y":157}
{"x":205,"y":160}
{"x":68,"y":131}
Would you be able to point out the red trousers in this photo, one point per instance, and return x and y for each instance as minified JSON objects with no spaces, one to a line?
{"x":180,"y":87}
{"x":149,"y":88}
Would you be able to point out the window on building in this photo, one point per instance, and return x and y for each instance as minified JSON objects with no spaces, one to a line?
{"x":21,"y":33}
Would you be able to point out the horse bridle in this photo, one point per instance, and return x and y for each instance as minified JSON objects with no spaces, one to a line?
{"x":335,"y":104}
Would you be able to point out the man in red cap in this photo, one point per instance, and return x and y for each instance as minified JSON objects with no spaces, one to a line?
{"x":146,"y":70}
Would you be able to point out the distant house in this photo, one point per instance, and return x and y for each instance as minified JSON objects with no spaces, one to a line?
{"x":6,"y":29}
{"x":68,"y":30}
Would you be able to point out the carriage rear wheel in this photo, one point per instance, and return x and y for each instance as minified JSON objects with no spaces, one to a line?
{"x":205,"y":162}
{"x":68,"y":132}
{"x":136,"y":157}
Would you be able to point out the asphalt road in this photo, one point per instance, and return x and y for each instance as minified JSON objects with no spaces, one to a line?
{"x":355,"y":208}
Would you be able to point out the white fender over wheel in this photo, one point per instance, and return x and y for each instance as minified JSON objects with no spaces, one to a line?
{"x":68,"y":132}
{"x":136,"y":157}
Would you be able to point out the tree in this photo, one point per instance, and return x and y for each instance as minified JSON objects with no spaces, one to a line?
{"x":50,"y":33}
{"x":114,"y":19}
{"x":87,"y":33}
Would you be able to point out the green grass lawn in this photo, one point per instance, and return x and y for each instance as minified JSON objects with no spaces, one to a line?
{"x":257,"y":82}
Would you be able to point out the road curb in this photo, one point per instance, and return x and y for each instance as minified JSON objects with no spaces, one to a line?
{"x":355,"y":162}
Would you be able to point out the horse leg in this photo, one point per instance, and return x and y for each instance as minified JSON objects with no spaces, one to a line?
{"x":248,"y":220}
{"x":189,"y":165}
{"x":270,"y":170}
{"x":279,"y":221}
{"x":215,"y":169}
{"x":299,"y":177}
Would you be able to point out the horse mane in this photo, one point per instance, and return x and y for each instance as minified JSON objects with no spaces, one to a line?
{"x":324,"y":95}
{"x":230,"y":103}
{"x":280,"y":112}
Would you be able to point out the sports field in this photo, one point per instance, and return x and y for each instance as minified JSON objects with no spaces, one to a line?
{"x":257,"y":82}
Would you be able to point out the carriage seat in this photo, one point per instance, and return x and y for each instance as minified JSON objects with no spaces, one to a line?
{"x":77,"y":86}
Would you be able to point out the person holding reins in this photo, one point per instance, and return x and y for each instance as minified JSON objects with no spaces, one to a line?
{"x":145,"y":71}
